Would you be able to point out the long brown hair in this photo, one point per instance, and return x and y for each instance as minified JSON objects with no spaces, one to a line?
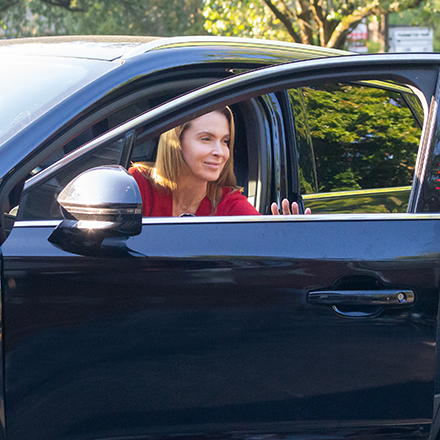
{"x":170,"y":165}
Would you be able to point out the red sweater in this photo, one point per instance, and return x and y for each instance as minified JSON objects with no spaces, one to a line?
{"x":158,"y":202}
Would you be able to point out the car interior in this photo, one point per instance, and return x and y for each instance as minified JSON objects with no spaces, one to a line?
{"x":35,"y":198}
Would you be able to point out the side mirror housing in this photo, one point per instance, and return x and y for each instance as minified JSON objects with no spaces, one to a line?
{"x":100,"y":203}
{"x":106,"y":194}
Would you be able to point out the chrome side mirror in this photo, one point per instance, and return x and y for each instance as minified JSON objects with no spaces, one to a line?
{"x":105,"y":198}
{"x":101,"y":202}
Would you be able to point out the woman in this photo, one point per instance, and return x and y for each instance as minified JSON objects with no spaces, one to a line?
{"x":193,"y":173}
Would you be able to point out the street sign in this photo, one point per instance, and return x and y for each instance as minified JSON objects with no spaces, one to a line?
{"x":410,"y":39}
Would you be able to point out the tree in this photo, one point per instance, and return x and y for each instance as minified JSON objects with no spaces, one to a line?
{"x":362,"y":137}
{"x":23,"y":17}
{"x":320,"y":22}
{"x":109,"y":17}
{"x":141,"y":17}
{"x":245,"y":18}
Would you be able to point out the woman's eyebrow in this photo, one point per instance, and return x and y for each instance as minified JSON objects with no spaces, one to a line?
{"x":212,"y":134}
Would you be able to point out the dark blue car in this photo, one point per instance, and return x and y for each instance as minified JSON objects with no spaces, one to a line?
{"x":116,"y":326}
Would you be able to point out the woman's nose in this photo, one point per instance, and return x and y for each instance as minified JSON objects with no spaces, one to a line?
{"x":217,"y":149}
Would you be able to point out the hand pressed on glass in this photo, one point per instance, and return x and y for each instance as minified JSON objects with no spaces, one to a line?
{"x":286,"y":208}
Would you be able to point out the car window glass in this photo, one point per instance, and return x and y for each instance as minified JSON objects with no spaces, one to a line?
{"x":43,"y":83}
{"x":96,"y":129}
{"x":357,"y":147}
{"x":121,"y":110}
{"x":38,"y":198}
{"x":38,"y":201}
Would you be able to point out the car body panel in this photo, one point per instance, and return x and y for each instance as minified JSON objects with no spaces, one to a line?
{"x":175,"y":339}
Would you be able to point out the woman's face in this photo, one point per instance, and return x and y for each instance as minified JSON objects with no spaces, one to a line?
{"x":205,"y":146}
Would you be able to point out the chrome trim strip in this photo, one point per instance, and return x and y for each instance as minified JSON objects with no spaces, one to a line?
{"x":37,"y":224}
{"x":96,"y":210}
{"x":255,"y":219}
{"x":291,"y":218}
{"x":200,"y":40}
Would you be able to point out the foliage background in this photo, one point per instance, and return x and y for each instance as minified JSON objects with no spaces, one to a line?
{"x":24,"y":18}
{"x":320,"y":22}
{"x":362,"y":137}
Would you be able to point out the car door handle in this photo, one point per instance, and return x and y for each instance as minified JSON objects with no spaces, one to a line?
{"x":356,"y":299}
{"x":362,"y":297}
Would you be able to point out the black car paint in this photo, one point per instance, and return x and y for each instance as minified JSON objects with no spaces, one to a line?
{"x":179,"y":340}
{"x":204,"y":330}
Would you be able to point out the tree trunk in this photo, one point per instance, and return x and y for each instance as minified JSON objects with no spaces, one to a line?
{"x":383,"y":33}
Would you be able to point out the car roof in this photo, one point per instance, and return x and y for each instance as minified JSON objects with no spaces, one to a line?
{"x":96,"y":47}
{"x":114,"y":47}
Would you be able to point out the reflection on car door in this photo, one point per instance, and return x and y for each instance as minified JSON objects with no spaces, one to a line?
{"x":226,"y":326}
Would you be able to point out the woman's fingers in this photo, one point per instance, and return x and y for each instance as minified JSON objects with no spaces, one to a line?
{"x":274,"y":209}
{"x":295,"y":207}
{"x":286,"y":209}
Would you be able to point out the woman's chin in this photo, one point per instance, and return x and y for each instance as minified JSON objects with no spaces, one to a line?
{"x":211,"y":177}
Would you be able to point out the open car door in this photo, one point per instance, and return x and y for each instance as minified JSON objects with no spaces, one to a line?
{"x":233,"y":327}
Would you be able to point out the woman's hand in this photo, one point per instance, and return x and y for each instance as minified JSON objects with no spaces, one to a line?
{"x":286,"y":208}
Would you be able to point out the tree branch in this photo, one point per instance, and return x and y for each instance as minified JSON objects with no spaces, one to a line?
{"x":65,"y":4}
{"x":305,"y":21}
{"x":320,"y":20}
{"x":284,"y":18}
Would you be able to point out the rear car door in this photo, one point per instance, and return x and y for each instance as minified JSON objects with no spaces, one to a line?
{"x":233,"y":327}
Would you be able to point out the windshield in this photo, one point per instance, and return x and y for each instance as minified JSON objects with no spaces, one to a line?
{"x":30,"y":85}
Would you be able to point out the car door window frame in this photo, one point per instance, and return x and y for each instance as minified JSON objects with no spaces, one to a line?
{"x":275,"y":79}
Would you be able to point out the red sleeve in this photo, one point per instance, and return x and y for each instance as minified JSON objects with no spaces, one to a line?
{"x":146,"y":190}
{"x":155,"y":202}
{"x":235,"y":203}
{"x":161,"y":205}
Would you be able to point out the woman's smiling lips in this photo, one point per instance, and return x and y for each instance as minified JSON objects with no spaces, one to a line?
{"x":215,"y":165}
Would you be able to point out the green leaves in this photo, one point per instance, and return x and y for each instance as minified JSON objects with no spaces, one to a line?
{"x":316,"y":22}
{"x":245,"y":18}
{"x":109,"y":17}
{"x":363,"y":137}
